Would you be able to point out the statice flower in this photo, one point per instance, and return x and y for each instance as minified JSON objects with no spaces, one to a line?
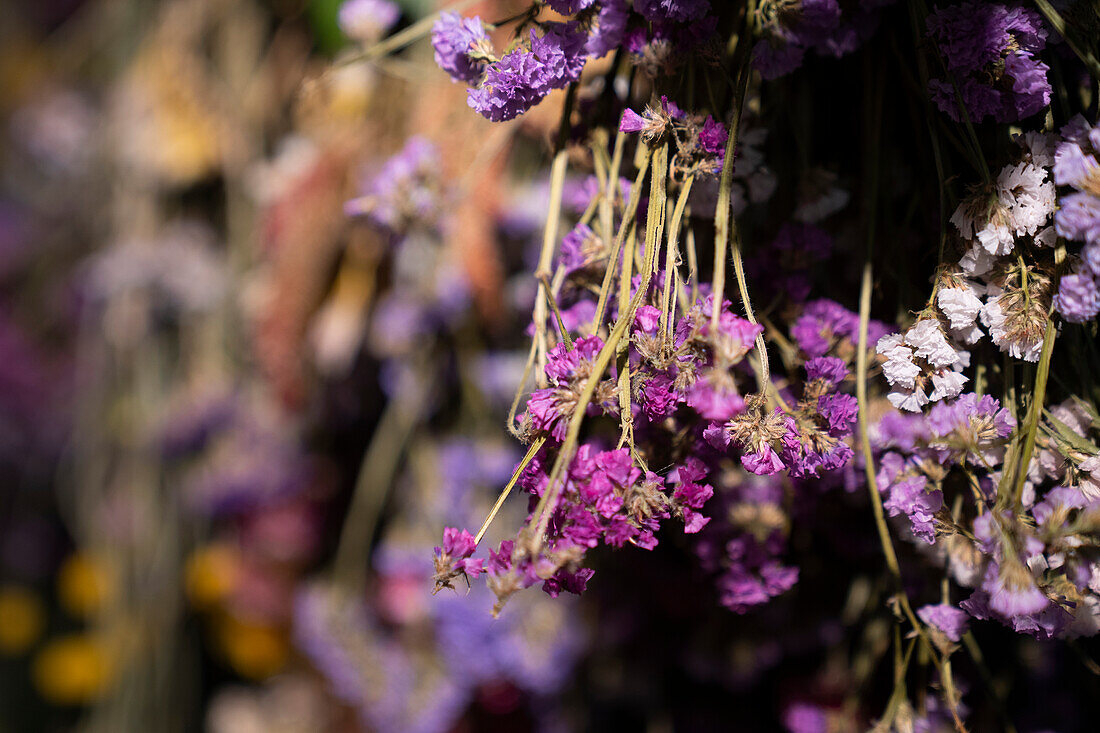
{"x":806,"y":440}
{"x":1075,"y":165}
{"x":679,"y":11}
{"x":700,"y":142}
{"x":605,"y":499}
{"x":461,"y":45}
{"x":1020,"y":204}
{"x":790,"y":29}
{"x":1009,"y":594}
{"x":921,"y":357}
{"x":950,"y":621}
{"x":367,"y":20}
{"x":909,"y":493}
{"x":1078,"y":298}
{"x":453,"y":558}
{"x":404,"y":192}
{"x":549,"y":409}
{"x":608,"y":29}
{"x":971,"y":425}
{"x":745,"y":543}
{"x":523,"y":76}
{"x":826,"y":327}
{"x":1078,"y":218}
{"x":991,"y":53}
{"x":569,"y":7}
{"x":960,"y":301}
{"x":1017,"y":322}
{"x":580,"y":248}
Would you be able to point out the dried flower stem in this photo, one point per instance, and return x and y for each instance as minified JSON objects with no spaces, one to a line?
{"x":672,"y":252}
{"x":654,"y":227}
{"x":531,"y":451}
{"x":546,"y":257}
{"x":617,"y":251}
{"x":1034,"y":411}
{"x":372,"y":486}
{"x":725,"y":233}
{"x":1059,"y":24}
{"x":551,"y":299}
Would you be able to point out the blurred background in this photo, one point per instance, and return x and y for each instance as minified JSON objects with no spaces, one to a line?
{"x":217,"y":383}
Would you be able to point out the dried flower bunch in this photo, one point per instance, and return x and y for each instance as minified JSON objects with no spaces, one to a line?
{"x":411,"y":366}
{"x":653,"y":379}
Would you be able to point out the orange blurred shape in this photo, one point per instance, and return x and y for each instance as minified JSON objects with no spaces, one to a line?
{"x":84,"y":584}
{"x":72,"y":670}
{"x":300,"y":234}
{"x":211,"y":574}
{"x":22,"y":618}
{"x":254,"y":651}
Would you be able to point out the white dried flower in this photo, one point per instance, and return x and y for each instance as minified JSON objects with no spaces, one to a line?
{"x":993,"y":316}
{"x":899,"y":368}
{"x":1027,"y":195}
{"x":930,"y":343}
{"x":947,"y":383}
{"x":977,"y":261}
{"x":961,"y":305}
{"x":911,"y":400}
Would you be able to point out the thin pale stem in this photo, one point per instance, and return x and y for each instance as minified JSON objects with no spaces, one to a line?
{"x":1038,"y":395}
{"x":672,"y":254}
{"x":531,"y":451}
{"x":654,"y":229}
{"x":617,"y":250}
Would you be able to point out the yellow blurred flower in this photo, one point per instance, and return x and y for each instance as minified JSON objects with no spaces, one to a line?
{"x":72,"y":670}
{"x":254,"y":650}
{"x":22,"y":618}
{"x":211,"y":574}
{"x":84,"y":583}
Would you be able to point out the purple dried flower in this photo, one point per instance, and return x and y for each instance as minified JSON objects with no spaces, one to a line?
{"x":829,"y":368}
{"x":983,"y":42}
{"x":824,"y":323}
{"x":713,"y":137}
{"x":762,"y":462}
{"x":568,"y":7}
{"x":679,"y":11}
{"x":840,"y":411}
{"x":454,"y":38}
{"x":520,"y":79}
{"x":1078,"y":298}
{"x":609,"y":29}
{"x":405,"y":191}
{"x":1078,"y":217}
{"x":950,"y":620}
{"x":909,"y":495}
{"x":631,"y":121}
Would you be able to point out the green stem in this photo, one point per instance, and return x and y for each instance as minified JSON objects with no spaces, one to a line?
{"x":1034,"y":410}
